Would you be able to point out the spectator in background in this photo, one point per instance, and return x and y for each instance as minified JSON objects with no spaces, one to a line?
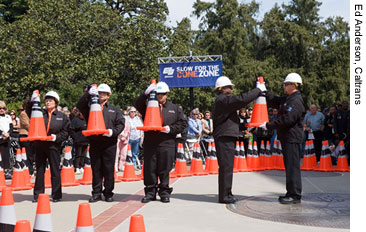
{"x":122,"y":147}
{"x":23,"y":132}
{"x":194,"y":125}
{"x":342,"y":126}
{"x":329,"y":126}
{"x":6,"y":126}
{"x":16,"y":124}
{"x":80,"y":142}
{"x":244,"y":134}
{"x":207,"y":129}
{"x":314,"y":124}
{"x":135,"y":135}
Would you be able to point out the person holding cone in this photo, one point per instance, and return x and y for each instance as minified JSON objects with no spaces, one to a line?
{"x":226,"y":131}
{"x":159,"y":147}
{"x":103,"y":147}
{"x":57,"y":124}
{"x":289,"y":125}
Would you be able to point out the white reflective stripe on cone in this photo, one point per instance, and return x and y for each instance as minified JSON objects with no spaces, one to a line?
{"x":95,"y":107}
{"x":85,"y":229}
{"x":43,"y":222}
{"x":260,"y":100}
{"x":153,"y":104}
{"x":37,"y":114}
{"x":7,"y":215}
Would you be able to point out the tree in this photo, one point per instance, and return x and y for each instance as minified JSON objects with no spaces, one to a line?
{"x":11,"y":10}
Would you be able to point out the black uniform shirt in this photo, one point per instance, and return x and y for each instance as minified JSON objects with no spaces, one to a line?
{"x":290,"y":119}
{"x":225,"y":118}
{"x":172,"y":116}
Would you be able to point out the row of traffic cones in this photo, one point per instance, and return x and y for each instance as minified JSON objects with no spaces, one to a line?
{"x":43,"y":220}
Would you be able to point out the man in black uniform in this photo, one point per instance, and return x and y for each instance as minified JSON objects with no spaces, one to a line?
{"x":159,"y":147}
{"x":103,"y":147}
{"x":226,"y":131}
{"x":57,"y":124}
{"x":289,"y":125}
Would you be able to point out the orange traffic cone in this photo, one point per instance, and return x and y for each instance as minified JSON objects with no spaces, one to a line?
{"x":268,"y":162}
{"x":153,"y":120}
{"x":256,"y":162}
{"x":196,"y":165}
{"x":242,"y":164}
{"x":117,"y":178}
{"x":213,"y":166}
{"x":43,"y":221}
{"x":280,"y":162}
{"x":47,"y":177}
{"x":250,"y":158}
{"x":262,"y":156}
{"x":208,"y":157}
{"x":87,"y":175}
{"x":260,"y":113}
{"x":22,"y":226}
{"x":84,"y":221}
{"x":18,"y":180}
{"x":325,"y":164}
{"x":37,"y":127}
{"x":137,"y":223}
{"x":7,"y":211}
{"x":342,"y":163}
{"x":180,"y":163}
{"x":129,"y":172}
{"x":67,"y":172}
{"x":308,"y":162}
{"x":2,"y":175}
{"x":236,"y":157}
{"x":27,"y":177}
{"x":141,"y":175}
{"x":96,"y":125}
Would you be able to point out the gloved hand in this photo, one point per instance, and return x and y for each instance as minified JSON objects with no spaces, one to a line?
{"x":149,"y":89}
{"x":34,"y":95}
{"x":261,"y":86}
{"x":263,"y":126}
{"x":93,"y":90}
{"x":53,"y":138}
{"x":109,"y":134}
{"x":167,"y":129}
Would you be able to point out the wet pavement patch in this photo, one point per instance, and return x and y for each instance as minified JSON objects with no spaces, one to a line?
{"x":330,"y":210}
{"x":303,"y":173}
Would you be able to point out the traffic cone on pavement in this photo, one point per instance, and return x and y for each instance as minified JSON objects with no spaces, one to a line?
{"x":180,"y":163}
{"x":2,"y":175}
{"x":342,"y":163}
{"x":308,"y":162}
{"x":87,"y":175}
{"x":18,"y":180}
{"x":22,"y":226}
{"x":43,"y":221}
{"x":47,"y":177}
{"x":262,"y":156}
{"x":268,"y":161}
{"x":129,"y":172}
{"x":325,"y":164}
{"x":208,"y":157}
{"x":236,"y":157}
{"x":214,"y":166}
{"x":67,"y":172}
{"x":84,"y":221}
{"x":242,"y":164}
{"x":256,"y":162}
{"x":137,"y":223}
{"x":260,"y":113}
{"x":280,"y":162}
{"x":96,"y":125}
{"x":197,"y":165}
{"x":250,"y":158}
{"x":7,"y":211}
{"x":27,"y":177}
{"x":37,"y":127}
{"x":153,"y":120}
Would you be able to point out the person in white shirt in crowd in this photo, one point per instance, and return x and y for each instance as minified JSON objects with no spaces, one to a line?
{"x":135,"y":135}
{"x":122,"y":145}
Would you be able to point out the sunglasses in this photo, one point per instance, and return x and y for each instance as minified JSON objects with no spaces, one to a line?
{"x":2,"y":108}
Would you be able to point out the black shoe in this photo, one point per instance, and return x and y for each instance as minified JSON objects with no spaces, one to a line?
{"x":165,"y":199}
{"x":230,"y":200}
{"x":289,"y":200}
{"x":34,"y":200}
{"x":148,"y":198}
{"x":56,"y":200}
{"x":95,"y":199}
{"x":109,"y":199}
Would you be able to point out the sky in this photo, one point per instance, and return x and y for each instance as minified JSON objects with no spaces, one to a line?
{"x":179,"y":9}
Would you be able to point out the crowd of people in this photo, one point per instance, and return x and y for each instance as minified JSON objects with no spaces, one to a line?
{"x":108,"y":152}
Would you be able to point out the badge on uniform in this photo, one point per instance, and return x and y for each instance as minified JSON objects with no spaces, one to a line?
{"x":290,"y":108}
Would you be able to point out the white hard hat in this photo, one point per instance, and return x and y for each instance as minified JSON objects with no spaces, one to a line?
{"x":104,"y":88}
{"x":293,"y":78}
{"x":162,"y":87}
{"x":223,"y":81}
{"x":54,"y":95}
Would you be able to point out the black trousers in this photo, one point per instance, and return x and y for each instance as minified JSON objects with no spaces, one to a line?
{"x":47,"y":151}
{"x":225,"y":150}
{"x":80,"y":155}
{"x":30,"y":152}
{"x":158,"y":161}
{"x":318,"y":143}
{"x":5,"y":155}
{"x":291,"y":157}
{"x":102,"y":159}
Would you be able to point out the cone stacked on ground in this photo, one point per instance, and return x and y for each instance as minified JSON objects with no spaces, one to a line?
{"x":213,"y":166}
{"x":18,"y":180}
{"x":67,"y":172}
{"x":43,"y":221}
{"x":325,"y":164}
{"x":280,"y":162}
{"x":242,"y":164}
{"x":197,"y":164}
{"x":84,"y":222}
{"x":308,"y":162}
{"x":26,"y":168}
{"x":236,"y":157}
{"x":129,"y":172}
{"x":180,"y":163}
{"x":342,"y":163}
{"x":7,"y":211}
{"x":87,"y":175}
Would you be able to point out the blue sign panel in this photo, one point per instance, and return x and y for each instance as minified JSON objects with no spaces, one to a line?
{"x":190,"y":74}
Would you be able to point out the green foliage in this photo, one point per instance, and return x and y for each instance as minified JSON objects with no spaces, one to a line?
{"x":11,"y":10}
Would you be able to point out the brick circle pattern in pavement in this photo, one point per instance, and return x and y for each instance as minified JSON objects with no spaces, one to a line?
{"x":330,"y":210}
